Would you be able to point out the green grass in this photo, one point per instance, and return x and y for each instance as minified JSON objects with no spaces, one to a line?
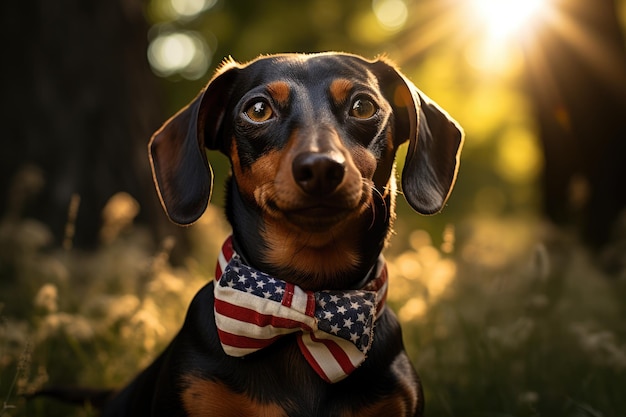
{"x":504,"y":318}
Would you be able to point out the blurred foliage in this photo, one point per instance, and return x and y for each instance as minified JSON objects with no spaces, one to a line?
{"x":91,"y":319}
{"x":502,"y":314}
{"x":504,"y":317}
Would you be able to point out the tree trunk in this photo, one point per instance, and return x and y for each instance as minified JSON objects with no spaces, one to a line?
{"x":576,"y":67}
{"x":79,"y":102}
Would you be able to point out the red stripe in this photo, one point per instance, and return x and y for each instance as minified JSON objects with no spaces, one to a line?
{"x":311,"y":360}
{"x":288,"y":297}
{"x":227,"y":248}
{"x":381,"y":302}
{"x":338,"y":353}
{"x":247,"y":315}
{"x":310,"y":304}
{"x":244,"y":342}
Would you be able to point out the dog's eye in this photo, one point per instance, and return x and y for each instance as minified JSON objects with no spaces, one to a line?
{"x":259,"y":112}
{"x":363,"y":108}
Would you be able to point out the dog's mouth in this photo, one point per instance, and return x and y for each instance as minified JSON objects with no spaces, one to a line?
{"x":311,"y":214}
{"x":318,"y":215}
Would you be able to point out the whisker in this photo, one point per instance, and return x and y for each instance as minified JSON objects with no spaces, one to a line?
{"x":377,"y":194}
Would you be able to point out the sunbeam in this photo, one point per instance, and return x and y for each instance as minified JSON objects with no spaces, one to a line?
{"x":504,"y":18}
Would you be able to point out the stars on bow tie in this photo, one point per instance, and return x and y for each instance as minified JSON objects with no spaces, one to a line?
{"x":342,"y":314}
{"x":255,"y":282}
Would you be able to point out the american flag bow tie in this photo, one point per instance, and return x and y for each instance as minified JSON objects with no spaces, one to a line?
{"x":335,"y":328}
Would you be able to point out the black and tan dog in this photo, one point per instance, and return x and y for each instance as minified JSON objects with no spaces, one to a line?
{"x":312,"y":141}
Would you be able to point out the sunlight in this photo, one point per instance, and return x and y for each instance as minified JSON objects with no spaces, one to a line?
{"x":519,"y":158}
{"x":502,"y":28}
{"x":504,"y":18}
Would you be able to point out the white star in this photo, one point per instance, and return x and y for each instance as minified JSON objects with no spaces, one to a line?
{"x":267,"y":294}
{"x":236,"y":269}
{"x":360,"y":318}
{"x":354,"y":337}
{"x":260,"y":284}
{"x":347,"y":323}
{"x":328,"y":315}
{"x":280,"y":290}
{"x":254,"y":275}
{"x":242,"y":278}
{"x":354,"y":305}
{"x":341,"y":310}
{"x":322,"y":303}
{"x":334,"y":298}
{"x":334,"y":329}
{"x":272,"y":281}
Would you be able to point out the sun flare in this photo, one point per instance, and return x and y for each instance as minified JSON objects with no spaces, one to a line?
{"x":505,"y":18}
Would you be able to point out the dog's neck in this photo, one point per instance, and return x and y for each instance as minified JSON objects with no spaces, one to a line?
{"x":342,"y":265}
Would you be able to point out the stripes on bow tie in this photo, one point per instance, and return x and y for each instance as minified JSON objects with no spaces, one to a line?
{"x":335,"y":328}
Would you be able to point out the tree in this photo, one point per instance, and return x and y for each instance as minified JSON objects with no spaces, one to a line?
{"x":576,"y":78}
{"x":79,"y":103}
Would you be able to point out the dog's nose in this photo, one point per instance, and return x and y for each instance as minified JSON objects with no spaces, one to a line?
{"x":319,"y":173}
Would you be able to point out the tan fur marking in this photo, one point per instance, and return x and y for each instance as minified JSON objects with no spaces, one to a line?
{"x":365,"y":162}
{"x":339,"y":89}
{"x":259,"y":178}
{"x":280,"y":92}
{"x":324,"y":256}
{"x":203,"y":398}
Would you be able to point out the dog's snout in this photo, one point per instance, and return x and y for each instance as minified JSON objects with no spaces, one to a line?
{"x":319,"y":173}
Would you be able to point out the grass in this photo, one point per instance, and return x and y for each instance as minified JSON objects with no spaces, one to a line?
{"x":504,"y":317}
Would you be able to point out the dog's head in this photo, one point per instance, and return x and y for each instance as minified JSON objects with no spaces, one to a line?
{"x":312,"y":141}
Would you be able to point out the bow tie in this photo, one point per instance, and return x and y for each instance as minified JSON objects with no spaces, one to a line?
{"x":335,"y":328}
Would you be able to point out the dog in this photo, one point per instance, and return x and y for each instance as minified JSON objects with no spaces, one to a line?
{"x":312,"y":140}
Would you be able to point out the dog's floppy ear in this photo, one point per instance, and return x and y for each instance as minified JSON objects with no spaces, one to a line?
{"x":180,"y":168}
{"x":435,"y":141}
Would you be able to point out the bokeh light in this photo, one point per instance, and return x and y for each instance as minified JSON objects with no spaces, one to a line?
{"x":190,"y":8}
{"x":185,"y":53}
{"x":391,"y":14}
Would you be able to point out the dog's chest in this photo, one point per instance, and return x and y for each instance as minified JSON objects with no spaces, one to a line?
{"x":279,"y":383}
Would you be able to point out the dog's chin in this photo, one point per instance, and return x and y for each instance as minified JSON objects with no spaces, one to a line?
{"x":319,"y":219}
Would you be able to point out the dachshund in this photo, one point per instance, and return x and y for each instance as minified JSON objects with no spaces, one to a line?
{"x":295,"y":323}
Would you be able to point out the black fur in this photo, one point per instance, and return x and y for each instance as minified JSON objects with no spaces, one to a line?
{"x":314,"y":118}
